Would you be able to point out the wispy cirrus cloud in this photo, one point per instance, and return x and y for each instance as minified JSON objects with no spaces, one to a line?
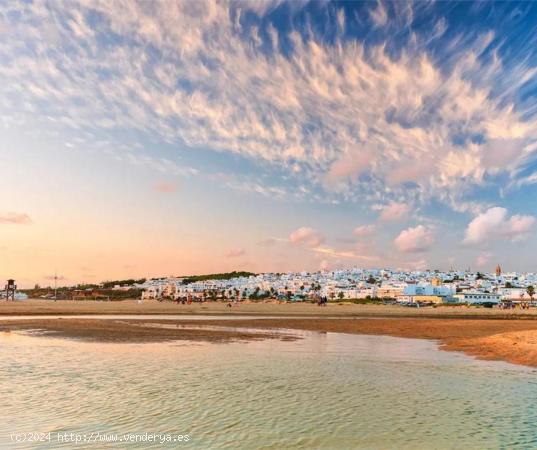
{"x":425,"y":123}
{"x":15,"y":218}
{"x":347,"y":254}
{"x":235,"y":253}
{"x":165,"y":187}
{"x":364,"y":230}
{"x":379,"y":15}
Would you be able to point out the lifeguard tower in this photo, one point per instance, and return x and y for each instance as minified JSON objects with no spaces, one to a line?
{"x":11,"y":287}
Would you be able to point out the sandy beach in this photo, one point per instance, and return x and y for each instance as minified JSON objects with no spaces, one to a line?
{"x":270,"y":308}
{"x":483,"y":333}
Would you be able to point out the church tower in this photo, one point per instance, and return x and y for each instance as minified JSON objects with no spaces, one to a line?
{"x":498,"y":270}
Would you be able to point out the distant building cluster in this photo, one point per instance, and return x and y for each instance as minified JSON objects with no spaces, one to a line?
{"x":407,"y":287}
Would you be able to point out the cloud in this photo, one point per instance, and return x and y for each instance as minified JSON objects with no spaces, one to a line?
{"x":347,"y":168}
{"x":352,"y":116}
{"x":483,"y":259}
{"x":15,"y":218}
{"x":306,"y":236}
{"x":394,"y":211}
{"x":235,"y":253}
{"x":165,"y":187}
{"x":364,"y":231}
{"x":414,"y":240}
{"x":269,"y":242}
{"x":347,"y":254}
{"x":379,"y":15}
{"x":495,"y":224}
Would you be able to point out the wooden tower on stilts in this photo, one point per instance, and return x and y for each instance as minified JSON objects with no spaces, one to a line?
{"x":11,"y":287}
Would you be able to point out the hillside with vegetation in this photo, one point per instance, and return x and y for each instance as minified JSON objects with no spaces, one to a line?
{"x":216,"y":276}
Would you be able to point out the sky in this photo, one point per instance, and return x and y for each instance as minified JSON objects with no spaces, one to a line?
{"x":172,"y":138}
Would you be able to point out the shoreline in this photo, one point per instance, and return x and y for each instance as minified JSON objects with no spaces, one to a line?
{"x":35,"y":307}
{"x":513,"y":341}
{"x":509,"y":336}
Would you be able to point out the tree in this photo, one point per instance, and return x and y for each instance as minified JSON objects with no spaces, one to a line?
{"x":508,"y":285}
{"x":332,"y":295}
{"x":371,"y":280}
{"x":341,"y":295}
{"x":531,"y":292}
{"x":289,"y":295}
{"x":479,"y":276}
{"x":255,"y":294}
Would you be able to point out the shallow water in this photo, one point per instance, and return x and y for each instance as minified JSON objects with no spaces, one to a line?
{"x":327,"y":390}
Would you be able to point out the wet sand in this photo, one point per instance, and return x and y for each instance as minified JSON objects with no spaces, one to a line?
{"x":112,"y":330}
{"x":484,"y":333}
{"x":513,"y":340}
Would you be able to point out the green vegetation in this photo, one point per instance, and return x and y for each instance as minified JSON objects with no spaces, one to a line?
{"x":216,"y":276}
{"x":360,"y":301}
{"x":83,"y":293}
{"x":129,"y":282}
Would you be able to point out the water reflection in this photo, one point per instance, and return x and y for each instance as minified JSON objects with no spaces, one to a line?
{"x":326,"y":390}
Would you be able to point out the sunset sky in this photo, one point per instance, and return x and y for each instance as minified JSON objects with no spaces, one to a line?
{"x":161,"y":138}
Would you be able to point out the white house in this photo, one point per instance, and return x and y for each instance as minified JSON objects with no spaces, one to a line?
{"x":514,"y":294}
{"x":416,"y":290}
{"x":477,"y":297}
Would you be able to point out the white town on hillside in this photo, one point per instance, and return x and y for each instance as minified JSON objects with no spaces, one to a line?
{"x":412,"y":287}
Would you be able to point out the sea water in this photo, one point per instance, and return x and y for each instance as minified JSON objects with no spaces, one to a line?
{"x":323,"y":391}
